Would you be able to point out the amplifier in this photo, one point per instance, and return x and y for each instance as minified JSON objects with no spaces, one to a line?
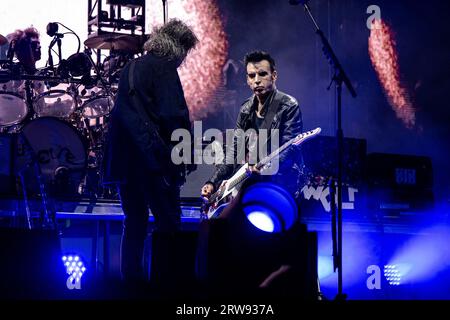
{"x":399,"y":183}
{"x":399,"y":171}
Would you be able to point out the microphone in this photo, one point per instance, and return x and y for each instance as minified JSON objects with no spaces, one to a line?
{"x":52,"y":29}
{"x":297,"y":2}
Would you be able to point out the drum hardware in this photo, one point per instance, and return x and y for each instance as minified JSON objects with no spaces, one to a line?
{"x":54,"y":103}
{"x":115,"y":41}
{"x":77,"y":65}
{"x":99,"y":105}
{"x":89,"y":81}
{"x":63,"y":121}
{"x":56,"y":39}
{"x":114,"y":63}
{"x":47,"y":218}
{"x":10,"y":75}
{"x":14,"y":102}
{"x":13,"y":108}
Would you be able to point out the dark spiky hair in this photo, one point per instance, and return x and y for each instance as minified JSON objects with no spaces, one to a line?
{"x":257,"y":56}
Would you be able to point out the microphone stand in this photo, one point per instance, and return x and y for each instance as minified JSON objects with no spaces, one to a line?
{"x":339,"y":78}
{"x":55,"y":40}
{"x":50,"y":57}
{"x":47,"y":217}
{"x":165,"y":11}
{"x":58,"y":42}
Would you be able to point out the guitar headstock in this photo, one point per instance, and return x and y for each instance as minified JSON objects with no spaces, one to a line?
{"x":306,"y":135}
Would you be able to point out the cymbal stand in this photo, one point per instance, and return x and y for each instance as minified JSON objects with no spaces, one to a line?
{"x":56,"y":40}
{"x":46,"y":218}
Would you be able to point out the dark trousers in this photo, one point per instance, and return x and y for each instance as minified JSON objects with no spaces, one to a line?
{"x":141,"y":192}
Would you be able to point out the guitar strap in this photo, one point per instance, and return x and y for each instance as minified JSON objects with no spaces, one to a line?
{"x":272,"y":109}
{"x":270,"y":115}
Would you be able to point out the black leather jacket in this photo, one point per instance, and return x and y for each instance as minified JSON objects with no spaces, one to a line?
{"x":131,"y":146}
{"x":288,"y":119}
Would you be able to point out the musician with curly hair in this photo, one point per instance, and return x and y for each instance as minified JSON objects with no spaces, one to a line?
{"x":150,"y":104}
{"x":25,"y":45}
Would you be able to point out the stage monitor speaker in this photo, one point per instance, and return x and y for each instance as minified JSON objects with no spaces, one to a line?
{"x":31,"y":265}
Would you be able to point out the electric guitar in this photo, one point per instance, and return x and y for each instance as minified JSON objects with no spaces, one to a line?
{"x":214,"y":205}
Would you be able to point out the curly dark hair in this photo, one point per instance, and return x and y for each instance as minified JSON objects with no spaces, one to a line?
{"x":22,"y":36}
{"x":257,"y":56}
{"x":173,"y":40}
{"x":22,"y":40}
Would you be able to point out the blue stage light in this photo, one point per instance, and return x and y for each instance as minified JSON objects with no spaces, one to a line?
{"x":324,"y":266}
{"x":392,"y":274}
{"x":269,"y":207}
{"x":75,"y":268}
{"x":261,"y":220}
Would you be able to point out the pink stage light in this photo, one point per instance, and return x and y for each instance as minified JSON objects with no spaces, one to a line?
{"x":383,"y":54}
{"x":201,"y":73}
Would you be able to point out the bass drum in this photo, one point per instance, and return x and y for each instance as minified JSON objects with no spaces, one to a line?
{"x":57,"y":150}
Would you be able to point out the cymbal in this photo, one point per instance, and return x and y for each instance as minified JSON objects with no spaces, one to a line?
{"x":3,"y":40}
{"x":111,"y":41}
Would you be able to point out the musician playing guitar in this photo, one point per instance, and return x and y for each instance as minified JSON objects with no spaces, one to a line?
{"x":267,"y":109}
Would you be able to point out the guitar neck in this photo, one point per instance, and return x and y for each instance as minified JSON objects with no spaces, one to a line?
{"x":270,"y":157}
{"x":242,"y":174}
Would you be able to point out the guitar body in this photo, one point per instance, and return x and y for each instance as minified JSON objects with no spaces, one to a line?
{"x":231,"y":186}
{"x":229,"y":190}
{"x":215,"y":212}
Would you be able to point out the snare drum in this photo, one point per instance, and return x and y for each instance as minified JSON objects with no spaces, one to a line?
{"x":59,"y":103}
{"x":13,"y":105}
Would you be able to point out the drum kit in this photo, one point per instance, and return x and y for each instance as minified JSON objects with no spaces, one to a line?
{"x":58,"y":118}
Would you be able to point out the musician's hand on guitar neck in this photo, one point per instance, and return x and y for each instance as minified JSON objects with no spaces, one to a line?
{"x":253,"y":170}
{"x":222,"y":185}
